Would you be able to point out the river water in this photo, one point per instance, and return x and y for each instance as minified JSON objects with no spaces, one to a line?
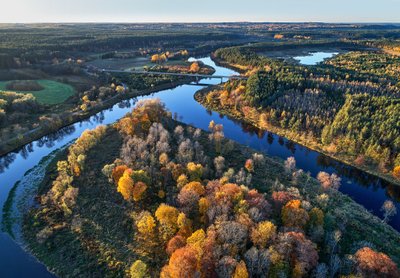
{"x":365,"y":189}
{"x":314,"y":58}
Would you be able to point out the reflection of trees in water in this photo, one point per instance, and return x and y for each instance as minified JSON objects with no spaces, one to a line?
{"x":248,"y":128}
{"x":357,"y":176}
{"x":6,"y":160}
{"x":260,"y":134}
{"x":291,"y":146}
{"x":360,"y":177}
{"x":125,"y":104}
{"x":342,"y":169}
{"x":98,"y":118}
{"x":253,"y":130}
{"x":26,"y":150}
{"x":50,"y":139}
{"x":270,"y":138}
{"x":393,"y":191}
{"x":324,"y":161}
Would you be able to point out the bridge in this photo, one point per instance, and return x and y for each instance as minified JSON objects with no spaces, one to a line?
{"x":195,"y":75}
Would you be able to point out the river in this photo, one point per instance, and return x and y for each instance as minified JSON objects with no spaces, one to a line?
{"x":314,"y":58}
{"x":365,"y":189}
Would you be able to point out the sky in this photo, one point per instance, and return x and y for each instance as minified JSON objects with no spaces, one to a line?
{"x":32,"y":11}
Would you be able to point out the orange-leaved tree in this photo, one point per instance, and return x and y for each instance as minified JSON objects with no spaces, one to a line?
{"x":293,"y":215}
{"x":375,"y":264}
{"x":396,"y":172}
{"x":117,"y":172}
{"x":183,"y":263}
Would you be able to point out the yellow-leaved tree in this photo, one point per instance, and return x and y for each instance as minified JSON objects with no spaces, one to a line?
{"x":125,"y":185}
{"x":167,"y":216}
{"x":139,"y":270}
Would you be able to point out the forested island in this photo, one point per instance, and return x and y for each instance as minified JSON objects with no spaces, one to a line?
{"x":149,"y":196}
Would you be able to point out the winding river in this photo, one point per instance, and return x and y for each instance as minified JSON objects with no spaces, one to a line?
{"x":365,"y":189}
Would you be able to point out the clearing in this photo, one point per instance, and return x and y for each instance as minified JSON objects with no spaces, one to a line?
{"x":53,"y":92}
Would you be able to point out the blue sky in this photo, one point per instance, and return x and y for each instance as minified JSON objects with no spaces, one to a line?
{"x":199,"y":11}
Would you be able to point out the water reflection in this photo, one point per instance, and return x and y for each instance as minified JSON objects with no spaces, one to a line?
{"x":7,"y":160}
{"x":26,"y":150}
{"x":50,"y":140}
{"x":125,"y":104}
{"x":366,"y":189}
{"x":270,"y":138}
{"x":314,"y":58}
{"x":356,"y":183}
{"x":323,"y":162}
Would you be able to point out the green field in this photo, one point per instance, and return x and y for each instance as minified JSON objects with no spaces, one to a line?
{"x":53,"y":92}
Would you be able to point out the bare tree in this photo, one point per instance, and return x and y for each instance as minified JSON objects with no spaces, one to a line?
{"x":197,"y":134}
{"x":219,"y":163}
{"x":259,"y":159}
{"x":389,"y":210}
{"x":185,"y":151}
{"x":290,"y":164}
{"x":178,"y":132}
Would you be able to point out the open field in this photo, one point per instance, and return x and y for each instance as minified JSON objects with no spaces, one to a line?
{"x":121,"y":64}
{"x":53,"y":92}
{"x":137,"y":63}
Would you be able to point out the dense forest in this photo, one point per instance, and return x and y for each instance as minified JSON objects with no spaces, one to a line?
{"x":348,"y":106}
{"x":26,"y":45}
{"x":151,"y":197}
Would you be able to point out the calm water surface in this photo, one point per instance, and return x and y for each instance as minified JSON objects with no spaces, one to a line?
{"x":314,"y":58}
{"x":363,"y":188}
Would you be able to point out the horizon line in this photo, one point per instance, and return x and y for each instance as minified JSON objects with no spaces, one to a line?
{"x":202,"y":22}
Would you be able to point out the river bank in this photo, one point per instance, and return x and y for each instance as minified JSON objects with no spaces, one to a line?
{"x":200,"y":96}
{"x":21,"y":199}
{"x":15,"y":143}
{"x":310,"y":143}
